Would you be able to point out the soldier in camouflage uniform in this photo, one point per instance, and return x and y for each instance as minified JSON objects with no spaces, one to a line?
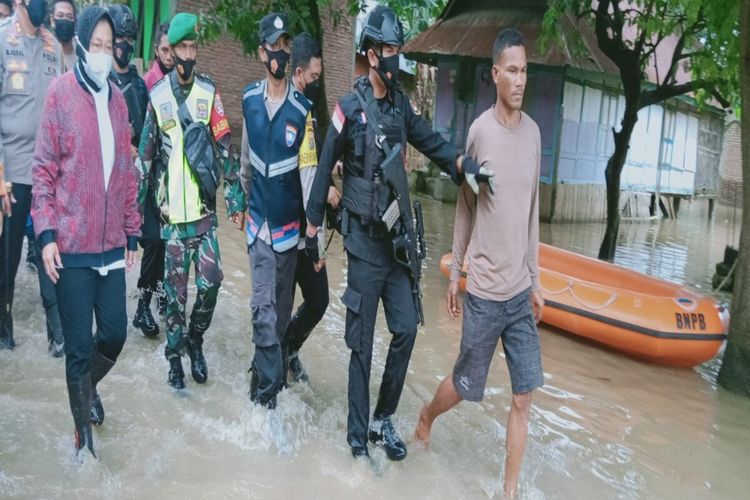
{"x":188,"y":213}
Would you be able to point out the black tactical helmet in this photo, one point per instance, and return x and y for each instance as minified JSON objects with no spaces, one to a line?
{"x":125,"y":24}
{"x":381,"y":26}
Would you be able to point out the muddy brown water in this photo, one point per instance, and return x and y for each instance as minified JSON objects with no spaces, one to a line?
{"x":604,"y":426}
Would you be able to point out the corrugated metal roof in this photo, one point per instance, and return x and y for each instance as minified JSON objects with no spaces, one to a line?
{"x":470,"y":32}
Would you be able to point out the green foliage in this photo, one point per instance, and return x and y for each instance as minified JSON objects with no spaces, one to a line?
{"x":240,"y":18}
{"x":628,"y":32}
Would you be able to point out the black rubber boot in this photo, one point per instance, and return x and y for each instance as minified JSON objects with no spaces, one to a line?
{"x":197,"y":361}
{"x":382,"y":433}
{"x":299,"y":374}
{"x":6,"y":332}
{"x":176,"y":375}
{"x":100,"y":366}
{"x":253,"y":385}
{"x":143,"y":318}
{"x":31,"y":253}
{"x":79,"y":395}
{"x":55,"y":333}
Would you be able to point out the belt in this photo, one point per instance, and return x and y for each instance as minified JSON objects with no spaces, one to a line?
{"x":376,"y":231}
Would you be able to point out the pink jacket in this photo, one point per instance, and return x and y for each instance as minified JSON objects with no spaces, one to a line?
{"x":153,"y":75}
{"x":69,"y":203}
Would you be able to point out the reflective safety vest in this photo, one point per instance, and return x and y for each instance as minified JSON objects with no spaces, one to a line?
{"x":183,"y":197}
{"x":275,"y":196}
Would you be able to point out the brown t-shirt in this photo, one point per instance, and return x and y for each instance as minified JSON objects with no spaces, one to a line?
{"x":501,"y":230}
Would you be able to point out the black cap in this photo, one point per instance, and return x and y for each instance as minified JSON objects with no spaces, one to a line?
{"x":272,"y":26}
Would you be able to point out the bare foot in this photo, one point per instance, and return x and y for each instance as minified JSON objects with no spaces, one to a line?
{"x":422,"y":432}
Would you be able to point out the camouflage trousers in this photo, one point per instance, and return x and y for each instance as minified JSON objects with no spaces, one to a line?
{"x":203,"y":251}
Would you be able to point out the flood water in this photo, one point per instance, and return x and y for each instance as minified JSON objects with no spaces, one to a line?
{"x":604,"y":426}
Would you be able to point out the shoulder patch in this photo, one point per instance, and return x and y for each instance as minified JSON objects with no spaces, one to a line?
{"x":338,"y":119}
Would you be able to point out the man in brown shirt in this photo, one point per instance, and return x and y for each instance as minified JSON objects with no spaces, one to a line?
{"x":497,"y":235}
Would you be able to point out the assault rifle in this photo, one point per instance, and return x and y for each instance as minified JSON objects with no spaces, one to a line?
{"x":408,"y":247}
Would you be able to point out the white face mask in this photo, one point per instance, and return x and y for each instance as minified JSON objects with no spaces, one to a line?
{"x":97,"y":66}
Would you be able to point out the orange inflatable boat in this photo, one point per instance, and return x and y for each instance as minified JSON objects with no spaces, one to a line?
{"x":628,"y":311}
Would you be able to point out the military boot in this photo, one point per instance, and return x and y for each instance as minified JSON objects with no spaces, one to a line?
{"x":197,"y":361}
{"x":382,"y":433}
{"x":143,"y":318}
{"x":79,"y":395}
{"x":176,"y":375}
{"x":100,"y":366}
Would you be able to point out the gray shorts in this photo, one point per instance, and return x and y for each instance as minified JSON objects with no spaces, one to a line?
{"x":484,"y":323}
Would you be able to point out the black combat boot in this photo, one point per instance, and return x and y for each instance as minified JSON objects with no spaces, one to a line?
{"x":143,"y":318}
{"x":55,"y":333}
{"x":176,"y":375}
{"x":299,"y":374}
{"x":100,"y":366}
{"x":79,"y":395}
{"x":197,"y":361}
{"x":382,"y":433}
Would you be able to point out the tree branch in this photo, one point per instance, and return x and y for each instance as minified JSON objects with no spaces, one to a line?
{"x":664,"y":92}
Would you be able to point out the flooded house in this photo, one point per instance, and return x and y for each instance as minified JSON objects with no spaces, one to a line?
{"x":575,"y":98}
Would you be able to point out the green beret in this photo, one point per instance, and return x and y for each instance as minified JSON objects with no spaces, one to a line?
{"x":184,"y":26}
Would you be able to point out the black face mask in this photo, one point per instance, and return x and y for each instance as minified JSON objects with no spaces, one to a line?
{"x":312,"y":90}
{"x":282,"y":58}
{"x":37,"y":10}
{"x":388,"y":65}
{"x":187,"y":67}
{"x":126,"y":49}
{"x":64,"y":30}
{"x":162,"y":67}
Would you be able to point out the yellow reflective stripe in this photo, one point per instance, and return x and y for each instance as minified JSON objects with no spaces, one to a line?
{"x":183,"y":191}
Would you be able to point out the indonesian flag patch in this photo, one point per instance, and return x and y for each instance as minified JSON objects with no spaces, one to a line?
{"x":291,"y":135}
{"x":338,"y":119}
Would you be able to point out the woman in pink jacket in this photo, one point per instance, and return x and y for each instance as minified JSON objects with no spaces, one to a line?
{"x":85,"y":211}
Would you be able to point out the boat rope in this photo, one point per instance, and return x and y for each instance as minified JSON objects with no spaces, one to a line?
{"x":726,"y":278}
{"x":569,"y":288}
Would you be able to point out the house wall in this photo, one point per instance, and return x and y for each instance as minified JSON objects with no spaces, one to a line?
{"x":710,"y":143}
{"x":686,"y":141}
{"x":731,"y":166}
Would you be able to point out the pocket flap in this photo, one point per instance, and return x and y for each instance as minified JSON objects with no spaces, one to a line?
{"x":352,"y":299}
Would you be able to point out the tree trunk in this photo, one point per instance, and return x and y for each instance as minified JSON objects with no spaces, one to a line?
{"x":735,"y":369}
{"x":321,"y":104}
{"x":615,"y":165}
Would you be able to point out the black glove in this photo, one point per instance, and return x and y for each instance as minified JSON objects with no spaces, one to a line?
{"x":475,"y":173}
{"x":311,"y":248}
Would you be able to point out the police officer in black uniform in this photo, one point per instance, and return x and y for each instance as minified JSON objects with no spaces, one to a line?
{"x":126,"y":77}
{"x":373,"y":272}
